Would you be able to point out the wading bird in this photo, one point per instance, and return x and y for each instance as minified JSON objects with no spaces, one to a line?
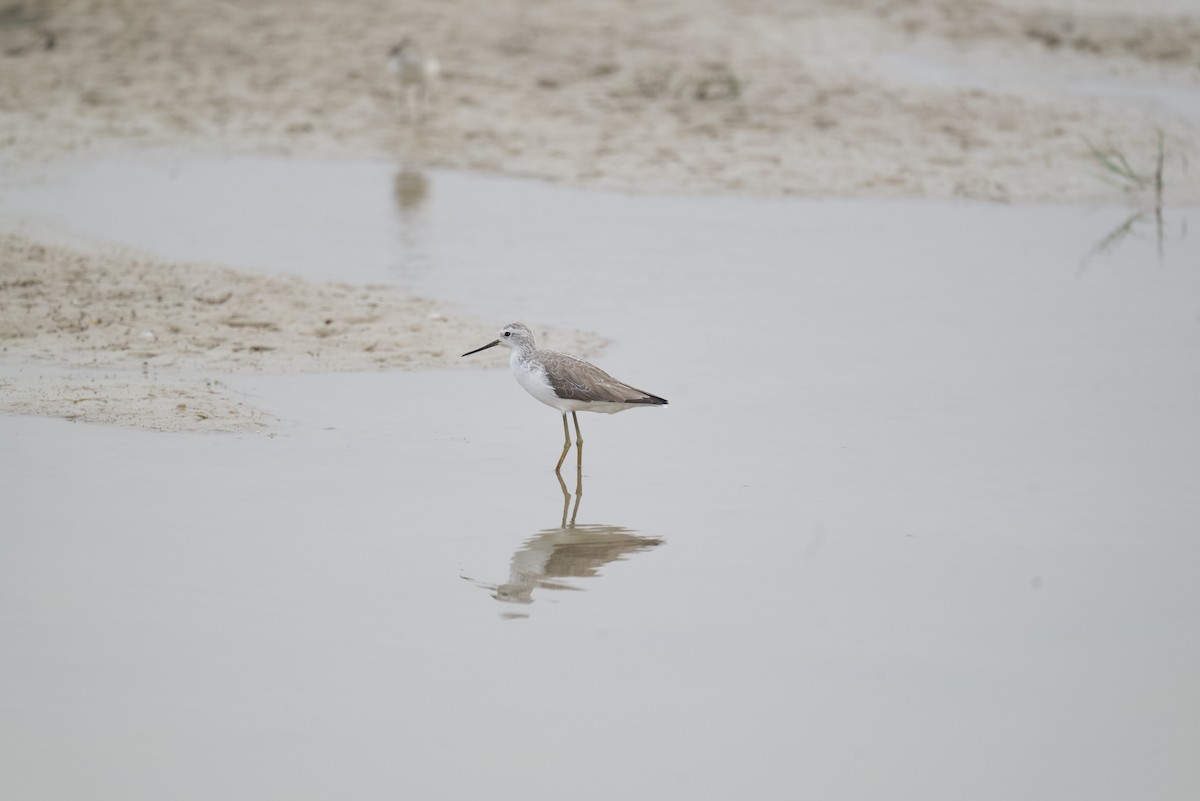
{"x":567,"y":383}
{"x":415,"y":72}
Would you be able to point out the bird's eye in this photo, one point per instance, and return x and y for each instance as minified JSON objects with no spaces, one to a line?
{"x":508,"y":333}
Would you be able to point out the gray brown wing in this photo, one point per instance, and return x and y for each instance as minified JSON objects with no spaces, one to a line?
{"x":575,"y":379}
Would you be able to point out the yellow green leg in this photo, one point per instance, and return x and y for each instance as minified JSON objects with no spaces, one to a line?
{"x":566,"y":444}
{"x":578,"y":439}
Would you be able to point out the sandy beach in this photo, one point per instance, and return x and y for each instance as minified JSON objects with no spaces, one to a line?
{"x":861,"y":98}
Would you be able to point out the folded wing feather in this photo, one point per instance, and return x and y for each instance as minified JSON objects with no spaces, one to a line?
{"x":576,"y":379}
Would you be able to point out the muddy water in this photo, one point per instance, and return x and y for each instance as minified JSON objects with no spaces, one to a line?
{"x":920,"y":521}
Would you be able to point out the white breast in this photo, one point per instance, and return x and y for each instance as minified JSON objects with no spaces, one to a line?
{"x":532,"y":378}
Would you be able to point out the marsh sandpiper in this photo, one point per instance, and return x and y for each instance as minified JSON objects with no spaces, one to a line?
{"x":415,"y":71}
{"x":567,"y":383}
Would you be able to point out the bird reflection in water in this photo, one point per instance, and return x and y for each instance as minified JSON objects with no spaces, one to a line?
{"x":571,"y":551}
{"x":410,"y":188}
{"x":410,"y":192}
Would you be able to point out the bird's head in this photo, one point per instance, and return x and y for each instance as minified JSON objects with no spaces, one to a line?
{"x":513,"y":335}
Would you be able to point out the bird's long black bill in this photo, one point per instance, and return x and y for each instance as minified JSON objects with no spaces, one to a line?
{"x":491,"y":344}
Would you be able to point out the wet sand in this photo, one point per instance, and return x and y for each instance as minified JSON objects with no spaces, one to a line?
{"x":111,"y":314}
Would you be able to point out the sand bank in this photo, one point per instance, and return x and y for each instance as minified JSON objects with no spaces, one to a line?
{"x":120,"y":315}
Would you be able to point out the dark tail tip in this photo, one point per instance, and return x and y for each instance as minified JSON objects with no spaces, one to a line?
{"x":651,"y":400}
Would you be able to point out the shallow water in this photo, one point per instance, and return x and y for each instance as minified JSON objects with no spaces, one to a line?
{"x":920,"y":521}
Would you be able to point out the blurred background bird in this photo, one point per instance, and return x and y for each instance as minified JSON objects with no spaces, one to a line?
{"x":415,"y":72}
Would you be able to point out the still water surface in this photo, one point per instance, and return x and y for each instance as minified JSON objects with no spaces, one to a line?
{"x":921,"y":520}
